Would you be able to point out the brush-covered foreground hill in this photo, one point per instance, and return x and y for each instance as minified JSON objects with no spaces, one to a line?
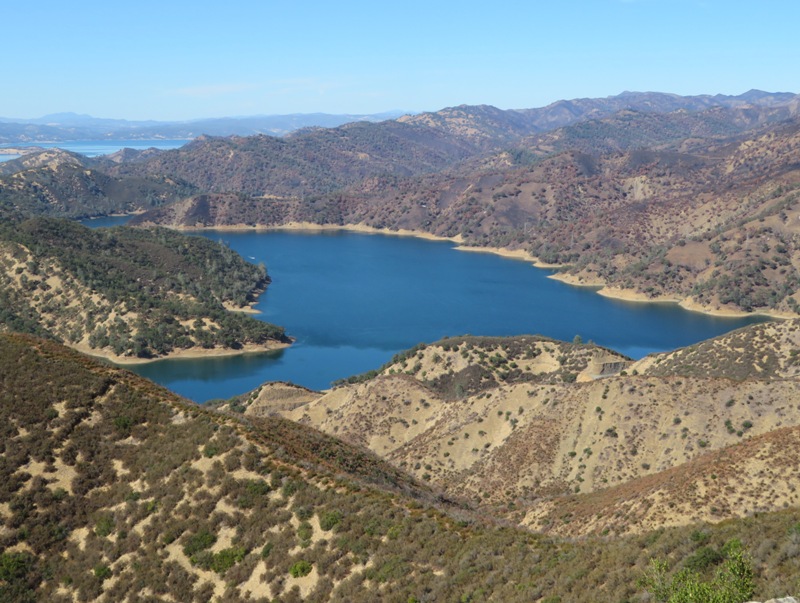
{"x":114,"y":489}
{"x":68,"y":185}
{"x":716,"y":228}
{"x":128,"y":293}
{"x":526,"y":424}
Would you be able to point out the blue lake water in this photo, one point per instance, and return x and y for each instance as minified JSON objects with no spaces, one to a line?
{"x":93,"y":148}
{"x":354,"y":300}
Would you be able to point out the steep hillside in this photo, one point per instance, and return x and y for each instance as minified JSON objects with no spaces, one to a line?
{"x":629,"y":129}
{"x":519,"y":424}
{"x":309,"y":162}
{"x":113,"y":489}
{"x":129,"y":294}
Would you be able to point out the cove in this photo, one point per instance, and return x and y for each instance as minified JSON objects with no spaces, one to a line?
{"x":353,"y":300}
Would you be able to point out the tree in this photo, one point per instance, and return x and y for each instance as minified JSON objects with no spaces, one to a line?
{"x":733,"y":582}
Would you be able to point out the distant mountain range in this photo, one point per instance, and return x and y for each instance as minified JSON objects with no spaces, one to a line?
{"x":57,"y":127}
{"x":62,"y":127}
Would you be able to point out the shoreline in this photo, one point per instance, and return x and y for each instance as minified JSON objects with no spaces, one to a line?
{"x":630,"y":295}
{"x":313,"y":227}
{"x":185,"y":353}
{"x":515,"y":254}
{"x":602,"y":288}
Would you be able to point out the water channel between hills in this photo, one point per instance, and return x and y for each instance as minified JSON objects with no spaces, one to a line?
{"x":353,"y":300}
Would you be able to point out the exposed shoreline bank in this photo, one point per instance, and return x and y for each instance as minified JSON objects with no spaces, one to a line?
{"x":630,"y":295}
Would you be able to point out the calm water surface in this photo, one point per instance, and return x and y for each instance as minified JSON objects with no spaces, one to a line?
{"x":354,"y":300}
{"x":93,"y":148}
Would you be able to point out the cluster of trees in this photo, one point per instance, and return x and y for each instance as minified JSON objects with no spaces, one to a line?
{"x":167,"y":290}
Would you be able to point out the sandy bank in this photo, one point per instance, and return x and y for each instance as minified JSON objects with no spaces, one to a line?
{"x":195,"y":352}
{"x":575,"y":281}
{"x":515,"y":254}
{"x":249,"y":309}
{"x":686,"y":303}
{"x":630,"y":295}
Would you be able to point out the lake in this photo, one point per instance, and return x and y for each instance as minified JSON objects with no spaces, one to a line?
{"x":353,"y":300}
{"x":93,"y":148}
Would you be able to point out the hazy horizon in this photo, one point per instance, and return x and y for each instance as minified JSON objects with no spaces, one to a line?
{"x":387,"y":112}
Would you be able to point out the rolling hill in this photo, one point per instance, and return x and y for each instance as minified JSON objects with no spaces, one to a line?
{"x":529,"y":427}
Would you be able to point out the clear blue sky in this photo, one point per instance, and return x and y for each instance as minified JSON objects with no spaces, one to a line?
{"x":175,"y":59}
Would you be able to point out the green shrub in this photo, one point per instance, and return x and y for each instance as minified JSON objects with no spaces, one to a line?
{"x":704,"y":558}
{"x":300,"y":569}
{"x":104,"y":526}
{"x":733,"y":582}
{"x":102,"y":572}
{"x":198,"y":542}
{"x":227,"y":558}
{"x":329,"y":520}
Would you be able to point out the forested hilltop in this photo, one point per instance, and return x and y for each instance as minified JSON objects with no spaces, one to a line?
{"x":128,"y":293}
{"x":62,"y":184}
{"x":112,"y":488}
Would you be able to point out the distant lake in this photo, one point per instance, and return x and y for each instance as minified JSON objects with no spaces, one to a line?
{"x":354,"y":300}
{"x":93,"y":148}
